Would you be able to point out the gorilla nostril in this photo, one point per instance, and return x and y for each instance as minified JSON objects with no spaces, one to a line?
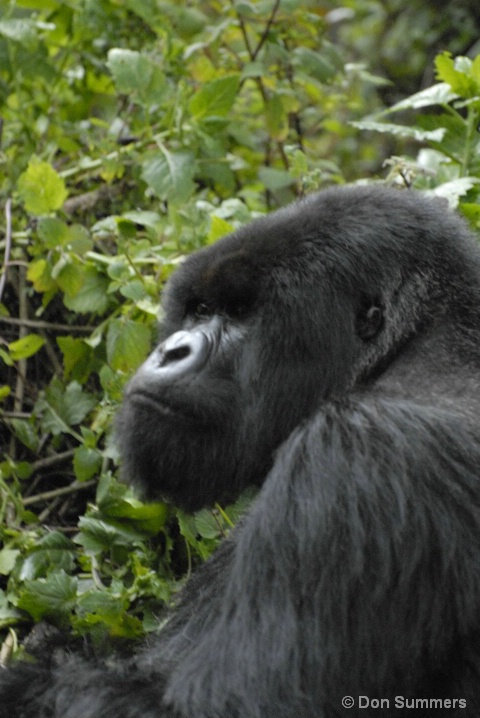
{"x":174,"y":354}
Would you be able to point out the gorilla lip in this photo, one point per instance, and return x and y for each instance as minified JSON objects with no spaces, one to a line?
{"x":144,"y":399}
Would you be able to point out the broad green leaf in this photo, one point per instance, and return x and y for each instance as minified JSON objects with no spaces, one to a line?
{"x":41,"y":188}
{"x":439,"y":94}
{"x":78,"y":239}
{"x":39,"y":273}
{"x":62,"y":407}
{"x":134,"y":290}
{"x":25,"y":347}
{"x":314,"y":64}
{"x":218,"y":228}
{"x":22,"y":31}
{"x":25,"y":432}
{"x":275,"y":179}
{"x":144,"y":219}
{"x":76,"y":357}
{"x":52,"y":231}
{"x":86,"y":463}
{"x":170,"y":175}
{"x":401,"y":130}
{"x":128,"y":344}
{"x":455,"y":189}
{"x":131,"y":70}
{"x":457,"y":72}
{"x":100,"y":535}
{"x":208,"y":526}
{"x":51,"y":597}
{"x":134,"y":72}
{"x":91,"y":296}
{"x":8,"y":557}
{"x":215,"y":98}
{"x":70,"y":276}
{"x":51,"y":551}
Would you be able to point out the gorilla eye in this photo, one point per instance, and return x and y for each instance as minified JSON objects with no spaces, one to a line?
{"x":203,"y":310}
{"x":198,"y":310}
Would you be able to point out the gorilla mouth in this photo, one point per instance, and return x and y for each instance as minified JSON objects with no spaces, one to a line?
{"x":145,"y":400}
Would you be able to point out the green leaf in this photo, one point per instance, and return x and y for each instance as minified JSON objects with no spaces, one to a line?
{"x":170,"y":176}
{"x":207,"y":526}
{"x":134,"y":72}
{"x":40,"y":275}
{"x":149,"y":517}
{"x":215,"y":98}
{"x":8,"y":557}
{"x":457,"y":73}
{"x":52,"y":231}
{"x":277,"y":120}
{"x":69,"y":275}
{"x":25,"y":347}
{"x":25,"y":432}
{"x":218,"y":228}
{"x":130,"y":69}
{"x":53,"y":551}
{"x":22,"y":31}
{"x":314,"y":64}
{"x":100,"y":535}
{"x":91,"y":296}
{"x":439,"y":94}
{"x":401,"y":130}
{"x":86,"y":463}
{"x":128,"y":344}
{"x":274,"y":179}
{"x":62,"y":408}
{"x":41,"y":188}
{"x":52,"y":597}
{"x":77,"y":357}
{"x":455,"y":189}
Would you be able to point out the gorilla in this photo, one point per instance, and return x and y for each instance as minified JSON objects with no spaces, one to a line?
{"x":329,"y":354}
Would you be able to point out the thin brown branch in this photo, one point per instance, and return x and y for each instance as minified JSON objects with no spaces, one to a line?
{"x":47,"y":326}
{"x":63,"y":491}
{"x":50,"y":461}
{"x":267,"y":30}
{"x":8,"y":245}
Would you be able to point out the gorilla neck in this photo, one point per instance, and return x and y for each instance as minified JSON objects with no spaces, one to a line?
{"x":434,"y":353}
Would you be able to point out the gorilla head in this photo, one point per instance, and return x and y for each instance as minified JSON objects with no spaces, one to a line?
{"x":260,"y":329}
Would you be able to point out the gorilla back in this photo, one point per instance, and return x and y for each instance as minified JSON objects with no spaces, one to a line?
{"x":329,"y":354}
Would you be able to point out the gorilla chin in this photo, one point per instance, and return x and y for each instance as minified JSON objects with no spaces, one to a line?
{"x":328,"y":353}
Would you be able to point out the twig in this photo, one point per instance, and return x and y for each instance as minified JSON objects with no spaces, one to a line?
{"x":50,"y":461}
{"x":39,"y":324}
{"x":46,"y":495}
{"x":267,"y":30}
{"x":8,"y":244}
{"x":21,"y":366}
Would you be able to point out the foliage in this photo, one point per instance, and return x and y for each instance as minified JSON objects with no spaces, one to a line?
{"x":133,"y":132}
{"x":449,"y":163}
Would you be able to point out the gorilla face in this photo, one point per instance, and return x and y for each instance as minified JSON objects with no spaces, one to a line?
{"x":267,"y":324}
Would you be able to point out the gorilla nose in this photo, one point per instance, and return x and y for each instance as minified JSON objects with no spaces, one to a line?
{"x":180,"y":346}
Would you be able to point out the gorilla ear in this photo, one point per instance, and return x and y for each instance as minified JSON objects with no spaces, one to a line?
{"x":369,"y":320}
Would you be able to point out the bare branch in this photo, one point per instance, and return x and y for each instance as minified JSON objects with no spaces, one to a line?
{"x":8,"y":245}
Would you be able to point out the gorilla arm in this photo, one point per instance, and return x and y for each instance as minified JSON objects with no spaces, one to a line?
{"x":356,"y":572}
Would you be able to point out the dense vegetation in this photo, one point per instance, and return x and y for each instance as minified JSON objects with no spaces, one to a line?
{"x":131,"y":133}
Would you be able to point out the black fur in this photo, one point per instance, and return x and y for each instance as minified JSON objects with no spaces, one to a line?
{"x":330,"y":354}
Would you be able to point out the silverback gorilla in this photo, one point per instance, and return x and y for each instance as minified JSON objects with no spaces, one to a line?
{"x":329,"y":354}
